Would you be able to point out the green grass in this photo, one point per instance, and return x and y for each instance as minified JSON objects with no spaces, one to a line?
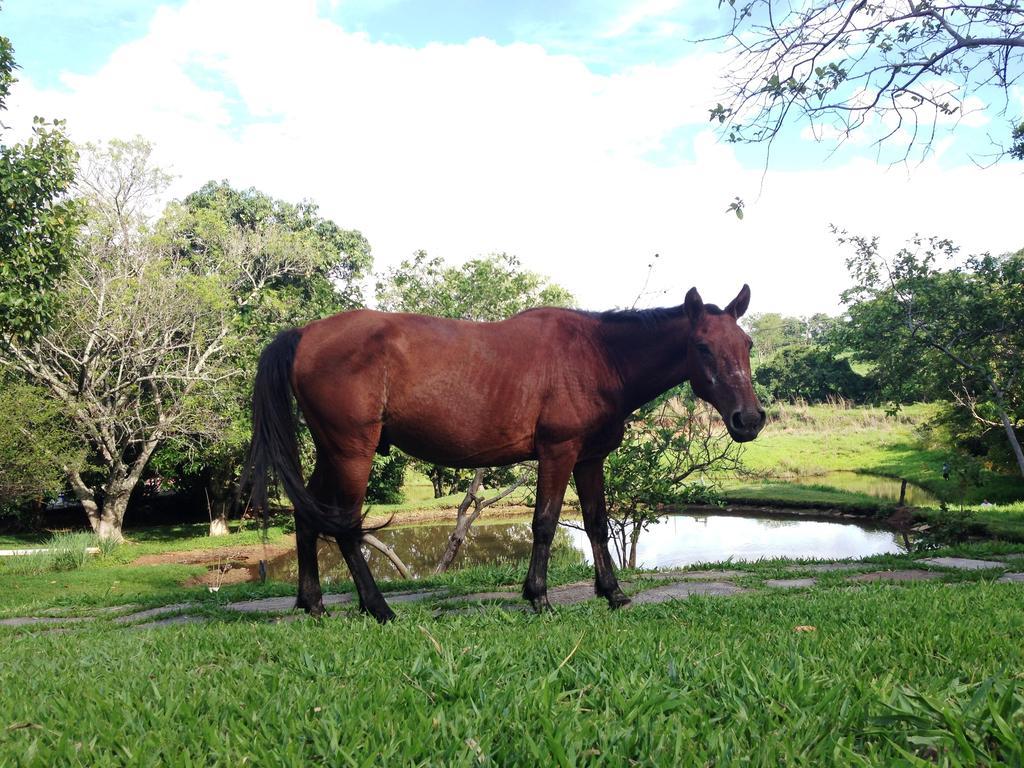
{"x":922,"y":672}
{"x":803,"y":442}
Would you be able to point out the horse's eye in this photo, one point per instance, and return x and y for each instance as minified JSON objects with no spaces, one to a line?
{"x":704,"y":349}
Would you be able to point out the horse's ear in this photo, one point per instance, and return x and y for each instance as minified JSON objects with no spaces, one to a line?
{"x":694,"y":305}
{"x":738,"y":306}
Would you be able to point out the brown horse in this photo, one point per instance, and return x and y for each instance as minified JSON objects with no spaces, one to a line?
{"x":555,"y":385}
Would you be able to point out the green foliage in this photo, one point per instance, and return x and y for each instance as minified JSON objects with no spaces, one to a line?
{"x":37,"y":221}
{"x":63,"y":551}
{"x":490,"y":288}
{"x":1017,"y":147}
{"x":672,"y":452}
{"x":935,"y":326}
{"x":973,"y":723}
{"x":812,"y":374}
{"x":272,"y":264}
{"x":387,"y":478}
{"x":35,"y":443}
{"x":312,"y":266}
{"x":946,"y":527}
{"x":772,"y":332}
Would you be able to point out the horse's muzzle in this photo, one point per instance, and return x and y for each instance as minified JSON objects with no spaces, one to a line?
{"x":745,"y":424}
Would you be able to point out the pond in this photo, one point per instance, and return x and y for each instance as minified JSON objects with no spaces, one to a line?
{"x":887,"y":488}
{"x":675,"y":540}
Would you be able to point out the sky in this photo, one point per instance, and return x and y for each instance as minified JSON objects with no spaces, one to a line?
{"x":573,"y":134}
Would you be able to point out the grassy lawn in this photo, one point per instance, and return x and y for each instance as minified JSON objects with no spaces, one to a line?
{"x":804,"y":442}
{"x":886,"y":675}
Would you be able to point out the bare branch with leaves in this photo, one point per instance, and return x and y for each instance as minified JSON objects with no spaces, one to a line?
{"x":841,"y":65}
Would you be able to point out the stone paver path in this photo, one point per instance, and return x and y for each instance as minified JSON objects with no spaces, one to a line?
{"x":907,"y":575}
{"x":27,"y":621}
{"x":149,"y":613}
{"x":962,"y":563}
{"x":790,"y":583}
{"x":682,"y":590}
{"x":682,"y":584}
{"x":570,"y":594}
{"x":68,"y":611}
{"x":413,"y":597}
{"x":283,"y":604}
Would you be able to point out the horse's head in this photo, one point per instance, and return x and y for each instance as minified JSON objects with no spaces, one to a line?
{"x":719,"y":363}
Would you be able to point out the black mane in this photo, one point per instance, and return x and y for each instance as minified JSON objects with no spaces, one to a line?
{"x":646,"y":317}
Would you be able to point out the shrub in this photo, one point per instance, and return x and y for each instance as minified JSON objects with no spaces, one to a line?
{"x":813,"y":374}
{"x":387,"y":478}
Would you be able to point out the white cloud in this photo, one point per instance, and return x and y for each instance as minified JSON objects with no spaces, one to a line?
{"x":466,"y":149}
{"x":637,"y":14}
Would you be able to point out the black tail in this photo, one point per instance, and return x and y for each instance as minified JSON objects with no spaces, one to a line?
{"x":275,"y":445}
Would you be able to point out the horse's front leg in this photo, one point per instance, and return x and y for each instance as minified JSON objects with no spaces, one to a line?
{"x":590,"y":487}
{"x":553,"y":471}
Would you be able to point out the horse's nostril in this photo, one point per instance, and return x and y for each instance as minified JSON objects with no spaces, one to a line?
{"x":762,"y":415}
{"x":737,"y":420}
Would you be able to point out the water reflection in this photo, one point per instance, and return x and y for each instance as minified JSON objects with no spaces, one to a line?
{"x":675,"y":540}
{"x":873,"y":485}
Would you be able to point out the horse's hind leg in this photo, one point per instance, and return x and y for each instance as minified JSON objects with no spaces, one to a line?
{"x":590,"y":487}
{"x":351,"y":475}
{"x":310,"y":597}
{"x":371,"y":600}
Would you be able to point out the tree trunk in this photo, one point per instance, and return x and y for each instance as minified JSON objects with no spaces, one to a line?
{"x":1011,"y":435}
{"x":389,"y":552}
{"x":218,"y":511}
{"x":219,"y":523}
{"x":437,"y":482}
{"x":463,"y":520}
{"x":111,"y":517}
{"x":86,"y":497}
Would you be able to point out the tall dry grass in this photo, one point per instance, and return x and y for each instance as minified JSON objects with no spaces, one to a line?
{"x":839,"y":414}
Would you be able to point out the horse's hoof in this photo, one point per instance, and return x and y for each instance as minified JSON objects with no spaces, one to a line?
{"x":540,"y":604}
{"x":618,"y":599}
{"x":382,"y":613}
{"x":384,"y":616}
{"x":315,"y":611}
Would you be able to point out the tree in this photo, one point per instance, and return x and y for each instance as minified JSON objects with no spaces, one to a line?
{"x":813,"y":374}
{"x":937,"y":326}
{"x":34,"y":444}
{"x":669,"y":444}
{"x":475,"y":502}
{"x":840,"y":64}
{"x":491,"y":288}
{"x":148,"y":333}
{"x":37,"y":220}
{"x":218,"y":233}
{"x":772,"y":332}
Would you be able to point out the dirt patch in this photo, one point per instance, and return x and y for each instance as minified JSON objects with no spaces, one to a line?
{"x":236,"y":556}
